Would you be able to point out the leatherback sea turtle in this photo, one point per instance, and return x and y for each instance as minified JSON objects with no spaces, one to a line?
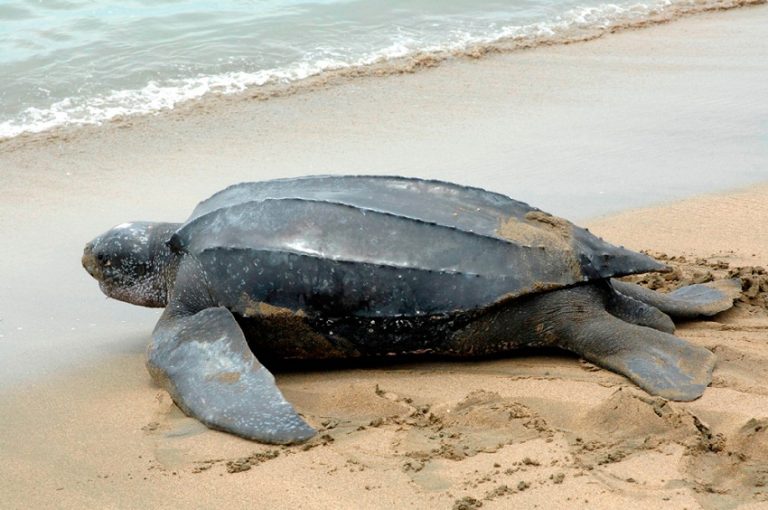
{"x":362,"y":266}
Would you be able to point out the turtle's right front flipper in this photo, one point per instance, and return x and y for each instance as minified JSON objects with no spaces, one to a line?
{"x":204,"y":362}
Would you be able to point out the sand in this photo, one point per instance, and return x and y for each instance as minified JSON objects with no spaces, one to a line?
{"x":632,"y":119}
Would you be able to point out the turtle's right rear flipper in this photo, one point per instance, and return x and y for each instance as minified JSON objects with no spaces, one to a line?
{"x":703,"y":299}
{"x":204,"y":362}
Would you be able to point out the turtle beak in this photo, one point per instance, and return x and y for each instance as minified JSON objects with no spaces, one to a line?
{"x":90,"y":263}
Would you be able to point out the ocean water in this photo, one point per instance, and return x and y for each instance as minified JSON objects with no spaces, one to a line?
{"x":65,"y":62}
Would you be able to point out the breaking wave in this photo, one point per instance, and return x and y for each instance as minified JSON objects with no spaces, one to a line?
{"x":163,"y":94}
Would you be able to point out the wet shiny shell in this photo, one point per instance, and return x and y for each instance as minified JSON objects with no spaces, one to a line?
{"x":386,"y":246}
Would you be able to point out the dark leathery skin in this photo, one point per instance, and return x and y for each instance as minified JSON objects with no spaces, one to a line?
{"x":387,"y":246}
{"x":466,"y":208}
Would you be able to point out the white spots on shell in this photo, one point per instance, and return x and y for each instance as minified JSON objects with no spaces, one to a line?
{"x":302,"y":246}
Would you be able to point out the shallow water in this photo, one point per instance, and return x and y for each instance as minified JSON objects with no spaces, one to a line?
{"x":76,"y":61}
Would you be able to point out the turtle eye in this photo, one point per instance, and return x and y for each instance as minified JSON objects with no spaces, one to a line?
{"x":101,"y":257}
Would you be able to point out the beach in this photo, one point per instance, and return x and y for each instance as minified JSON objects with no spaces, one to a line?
{"x":652,"y":138}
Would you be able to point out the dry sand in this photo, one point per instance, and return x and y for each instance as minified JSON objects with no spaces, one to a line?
{"x":678,"y":103}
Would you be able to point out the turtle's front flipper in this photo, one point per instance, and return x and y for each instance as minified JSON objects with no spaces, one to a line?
{"x":204,"y":362}
{"x":687,"y":302}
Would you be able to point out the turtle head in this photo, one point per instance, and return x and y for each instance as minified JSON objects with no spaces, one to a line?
{"x":132,"y":262}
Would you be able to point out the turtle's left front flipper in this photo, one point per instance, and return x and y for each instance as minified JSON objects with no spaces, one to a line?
{"x":204,"y":362}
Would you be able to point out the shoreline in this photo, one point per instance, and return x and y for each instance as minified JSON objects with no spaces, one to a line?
{"x":600,"y":133}
{"x":541,"y":110}
{"x":419,"y":61}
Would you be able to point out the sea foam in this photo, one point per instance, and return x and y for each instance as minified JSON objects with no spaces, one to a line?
{"x":442,"y":36}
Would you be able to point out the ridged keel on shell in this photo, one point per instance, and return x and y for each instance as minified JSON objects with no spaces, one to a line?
{"x":373,"y":248}
{"x":466,"y":208}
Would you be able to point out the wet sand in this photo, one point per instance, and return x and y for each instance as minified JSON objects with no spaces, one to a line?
{"x":629,"y":120}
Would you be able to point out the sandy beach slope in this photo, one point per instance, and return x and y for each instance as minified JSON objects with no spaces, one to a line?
{"x":629,"y":120}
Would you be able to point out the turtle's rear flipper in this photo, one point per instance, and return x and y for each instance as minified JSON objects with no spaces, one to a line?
{"x":636,"y":312}
{"x":687,"y":302}
{"x":658,"y":362}
{"x":204,"y":362}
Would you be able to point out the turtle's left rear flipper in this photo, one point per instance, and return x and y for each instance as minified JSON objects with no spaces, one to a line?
{"x":658,"y":362}
{"x":204,"y":362}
